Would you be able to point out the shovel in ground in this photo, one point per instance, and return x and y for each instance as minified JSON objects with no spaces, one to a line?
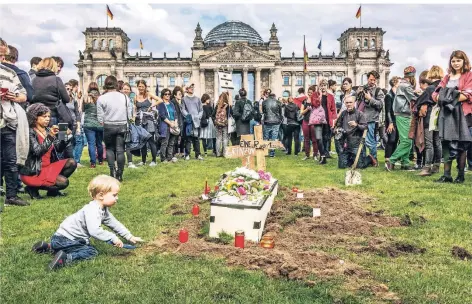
{"x":353,"y":176}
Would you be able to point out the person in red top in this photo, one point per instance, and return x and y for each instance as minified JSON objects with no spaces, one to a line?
{"x":40,"y":172}
{"x":329,"y":106}
{"x":460,"y":76}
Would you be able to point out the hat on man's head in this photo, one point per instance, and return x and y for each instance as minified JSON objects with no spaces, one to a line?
{"x":192,"y":85}
{"x":409,"y":71}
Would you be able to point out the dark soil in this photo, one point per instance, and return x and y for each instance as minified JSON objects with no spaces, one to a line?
{"x":461,"y":253}
{"x":301,"y":241}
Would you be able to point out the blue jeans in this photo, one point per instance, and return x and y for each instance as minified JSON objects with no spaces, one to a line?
{"x":371,"y":141}
{"x":94,"y":141}
{"x":271,"y":132}
{"x":76,"y":250}
{"x":79,"y":146}
{"x":252,"y":123}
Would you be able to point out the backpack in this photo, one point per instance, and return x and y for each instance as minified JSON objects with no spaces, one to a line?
{"x":317,"y":116}
{"x":221,"y":119}
{"x":248,"y":111}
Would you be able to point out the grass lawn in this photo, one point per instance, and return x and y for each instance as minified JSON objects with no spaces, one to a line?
{"x":118,"y":276}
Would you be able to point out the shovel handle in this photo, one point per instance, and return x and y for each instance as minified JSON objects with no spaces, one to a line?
{"x":359,"y":150}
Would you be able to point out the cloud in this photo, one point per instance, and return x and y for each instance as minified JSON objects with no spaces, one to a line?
{"x":422,"y":37}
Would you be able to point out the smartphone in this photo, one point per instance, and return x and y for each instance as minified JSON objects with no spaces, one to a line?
{"x":63,"y":127}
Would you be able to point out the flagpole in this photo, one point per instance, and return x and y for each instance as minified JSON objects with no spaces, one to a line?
{"x":360,"y":19}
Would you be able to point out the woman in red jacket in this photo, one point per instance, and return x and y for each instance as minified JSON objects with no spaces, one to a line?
{"x":459,"y":77}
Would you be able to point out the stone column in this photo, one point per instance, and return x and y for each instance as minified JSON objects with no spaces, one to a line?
{"x":216,"y":88}
{"x":277,"y":81}
{"x":202,"y":82}
{"x":89,"y":80}
{"x":386,"y":84}
{"x":294,"y":80}
{"x":179,"y":80}
{"x":195,"y":78}
{"x":81,"y":81}
{"x":272,"y":79}
{"x":245,"y":79}
{"x":258,"y":84}
{"x":152,"y":86}
{"x":165,"y":82}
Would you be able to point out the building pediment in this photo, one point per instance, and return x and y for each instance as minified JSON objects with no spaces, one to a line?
{"x":237,"y":52}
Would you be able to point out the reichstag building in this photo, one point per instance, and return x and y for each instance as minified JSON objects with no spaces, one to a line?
{"x":236,"y":47}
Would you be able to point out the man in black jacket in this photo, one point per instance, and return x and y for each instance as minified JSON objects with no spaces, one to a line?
{"x":349,"y":129}
{"x":272,"y":110}
{"x":244,"y":111}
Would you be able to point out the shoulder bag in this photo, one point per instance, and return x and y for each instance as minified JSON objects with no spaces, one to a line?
{"x":173,"y":130}
{"x":231,"y":123}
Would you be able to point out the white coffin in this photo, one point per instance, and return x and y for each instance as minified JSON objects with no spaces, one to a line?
{"x":230,"y":218}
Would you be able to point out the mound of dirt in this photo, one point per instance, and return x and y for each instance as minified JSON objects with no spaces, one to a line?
{"x":461,"y":253}
{"x":300,"y":239}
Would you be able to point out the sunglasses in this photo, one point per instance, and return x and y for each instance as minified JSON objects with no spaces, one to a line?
{"x":167,"y":94}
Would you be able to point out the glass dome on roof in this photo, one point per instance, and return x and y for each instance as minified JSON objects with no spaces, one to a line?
{"x":233,"y":31}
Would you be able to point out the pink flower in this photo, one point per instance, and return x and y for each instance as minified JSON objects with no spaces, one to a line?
{"x":266,"y":187}
{"x":242,"y":191}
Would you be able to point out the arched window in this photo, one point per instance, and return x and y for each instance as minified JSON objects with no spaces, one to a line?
{"x":286,"y":79}
{"x":364,"y":79}
{"x":101,"y":81}
{"x":286,"y":94}
{"x":372,"y":44}
{"x":111,"y":44}
{"x":312,"y":79}
{"x":365,"y":43}
{"x":104,"y":45}
{"x":358,"y":43}
{"x":95,"y":44}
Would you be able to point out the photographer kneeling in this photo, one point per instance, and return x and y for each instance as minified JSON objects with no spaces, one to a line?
{"x":348,"y":135}
{"x":42,"y":170}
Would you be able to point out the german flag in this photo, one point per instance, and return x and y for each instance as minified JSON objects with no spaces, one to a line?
{"x":140,"y":44}
{"x":358,"y":14}
{"x":109,"y":13}
{"x":305,"y":57}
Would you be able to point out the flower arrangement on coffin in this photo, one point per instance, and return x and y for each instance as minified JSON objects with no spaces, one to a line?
{"x":244,"y":183}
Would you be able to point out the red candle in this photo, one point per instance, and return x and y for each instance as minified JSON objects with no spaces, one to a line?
{"x":195,"y":210}
{"x":239,"y":239}
{"x":207,"y":189}
{"x":183,"y":235}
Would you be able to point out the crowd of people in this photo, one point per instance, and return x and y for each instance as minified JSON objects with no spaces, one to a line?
{"x":46,"y":123}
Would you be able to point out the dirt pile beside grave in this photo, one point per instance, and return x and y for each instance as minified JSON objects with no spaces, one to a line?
{"x":303,"y":244}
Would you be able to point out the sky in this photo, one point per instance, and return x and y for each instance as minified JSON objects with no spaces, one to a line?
{"x":420,"y":35}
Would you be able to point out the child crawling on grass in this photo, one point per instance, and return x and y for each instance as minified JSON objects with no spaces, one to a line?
{"x":71,"y":242}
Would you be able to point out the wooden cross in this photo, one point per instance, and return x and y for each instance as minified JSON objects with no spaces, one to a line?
{"x":253,"y":145}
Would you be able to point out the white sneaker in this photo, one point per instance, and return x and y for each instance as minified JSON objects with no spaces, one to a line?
{"x":152,"y":164}
{"x":79,"y":165}
{"x":140,"y":164}
{"x":131,"y":166}
{"x":200,"y":157}
{"x":305,"y":158}
{"x":174,"y":159}
{"x":187,"y":157}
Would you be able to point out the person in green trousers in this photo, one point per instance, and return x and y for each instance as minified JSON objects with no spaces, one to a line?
{"x":401,"y":107}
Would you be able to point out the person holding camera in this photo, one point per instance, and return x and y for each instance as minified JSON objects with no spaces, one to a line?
{"x":370,"y":101}
{"x":43,"y":170}
{"x":349,"y":129}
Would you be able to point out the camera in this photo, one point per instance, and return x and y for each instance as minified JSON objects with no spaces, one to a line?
{"x":365,"y":88}
{"x":339,"y":133}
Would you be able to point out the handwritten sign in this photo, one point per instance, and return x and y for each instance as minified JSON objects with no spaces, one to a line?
{"x":251,"y":146}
